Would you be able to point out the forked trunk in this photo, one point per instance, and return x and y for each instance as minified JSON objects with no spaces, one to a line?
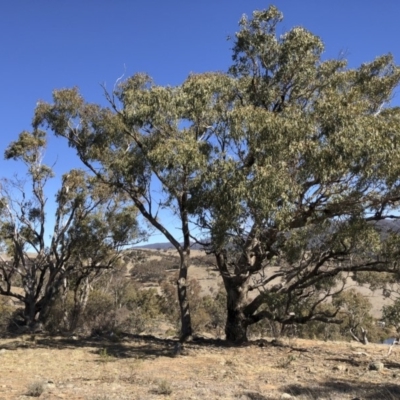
{"x":45,"y":305}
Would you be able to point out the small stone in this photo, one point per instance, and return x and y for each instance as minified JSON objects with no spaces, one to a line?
{"x":287,"y":396}
{"x":376,"y":366}
{"x":339,"y":367}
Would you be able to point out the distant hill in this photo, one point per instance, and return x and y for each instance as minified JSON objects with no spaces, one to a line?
{"x":386,"y":227}
{"x":164,"y":246}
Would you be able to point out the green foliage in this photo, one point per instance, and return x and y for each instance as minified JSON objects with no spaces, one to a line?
{"x":355,"y":312}
{"x":391,"y":315}
{"x":6,"y":314}
{"x":154,"y":270}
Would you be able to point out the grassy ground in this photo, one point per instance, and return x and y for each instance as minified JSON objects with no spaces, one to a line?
{"x":144,"y":368}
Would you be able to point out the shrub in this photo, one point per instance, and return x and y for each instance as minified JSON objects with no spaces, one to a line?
{"x":163,"y":388}
{"x":35,"y":389}
{"x":154,"y":270}
{"x":6,"y":314}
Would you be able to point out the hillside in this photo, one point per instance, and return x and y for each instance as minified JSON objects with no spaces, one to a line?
{"x":203,"y":270}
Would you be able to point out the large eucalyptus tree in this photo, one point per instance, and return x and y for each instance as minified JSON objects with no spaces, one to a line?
{"x":283,"y":164}
{"x":309,"y":158}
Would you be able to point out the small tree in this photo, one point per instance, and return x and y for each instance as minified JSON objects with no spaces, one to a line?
{"x":355,"y":310}
{"x":391,"y":315}
{"x":91,"y":227}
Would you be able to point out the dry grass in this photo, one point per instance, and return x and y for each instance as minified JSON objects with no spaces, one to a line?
{"x":143,"y":368}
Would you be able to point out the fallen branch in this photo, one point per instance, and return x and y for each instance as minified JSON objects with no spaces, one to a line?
{"x":396,"y":341}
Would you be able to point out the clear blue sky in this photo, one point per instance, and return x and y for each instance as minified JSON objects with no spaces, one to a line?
{"x":50,"y":44}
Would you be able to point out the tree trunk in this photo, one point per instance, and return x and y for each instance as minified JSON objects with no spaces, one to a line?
{"x":30,"y":311}
{"x":186,"y":323}
{"x":81,"y":297}
{"x":64,"y":297}
{"x":45,"y":304}
{"x":236,"y":322}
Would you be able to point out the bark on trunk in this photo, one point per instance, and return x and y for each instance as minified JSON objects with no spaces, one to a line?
{"x":186,"y":323}
{"x":64,"y":296}
{"x":81,"y":297}
{"x":236,"y":322}
{"x":30,"y":311}
{"x":45,"y":305}
{"x":236,"y":326}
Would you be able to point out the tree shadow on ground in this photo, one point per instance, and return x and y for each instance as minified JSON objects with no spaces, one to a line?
{"x":338,"y":389}
{"x":125,"y":346}
{"x":137,"y":347}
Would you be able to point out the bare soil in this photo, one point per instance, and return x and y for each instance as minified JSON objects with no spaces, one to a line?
{"x":143,"y":367}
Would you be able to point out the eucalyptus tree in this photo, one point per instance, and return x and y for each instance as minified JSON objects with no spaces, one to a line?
{"x":283,"y":164}
{"x":150,"y":143}
{"x":308,"y":159}
{"x":90,"y":228}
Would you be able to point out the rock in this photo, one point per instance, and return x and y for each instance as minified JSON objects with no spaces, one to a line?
{"x":286,"y":396}
{"x":376,"y":366}
{"x":339,"y":367}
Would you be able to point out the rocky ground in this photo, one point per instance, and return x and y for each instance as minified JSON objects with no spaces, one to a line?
{"x":140,"y":367}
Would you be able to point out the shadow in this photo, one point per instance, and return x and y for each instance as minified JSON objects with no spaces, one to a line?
{"x":127,"y":346}
{"x":364,"y":390}
{"x":253,"y":396}
{"x":139,"y":347}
